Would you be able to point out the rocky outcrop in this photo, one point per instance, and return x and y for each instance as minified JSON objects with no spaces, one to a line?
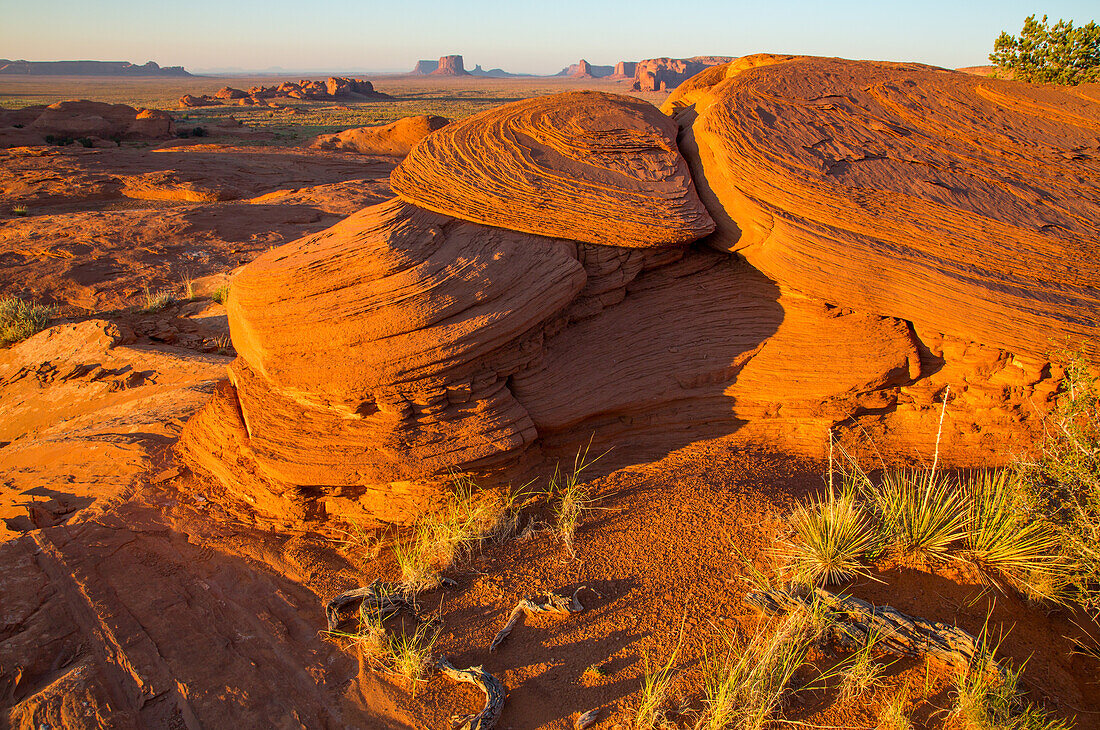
{"x":450,"y":66}
{"x":228,"y":92}
{"x":88,"y":68}
{"x":588,"y":166}
{"x":388,"y":140}
{"x":661,"y":74}
{"x":871,"y":256}
{"x":332,"y":89}
{"x":90,"y":121}
{"x":424,"y":68}
{"x":964,"y":205}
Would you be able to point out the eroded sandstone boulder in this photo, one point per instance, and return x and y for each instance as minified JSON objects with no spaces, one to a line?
{"x":587,"y":166}
{"x":963,"y":204}
{"x":66,"y":121}
{"x":389,"y":140}
{"x":440,"y":333}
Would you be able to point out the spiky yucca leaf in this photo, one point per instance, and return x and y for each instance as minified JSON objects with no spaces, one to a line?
{"x":831,"y":535}
{"x":1001,"y":540}
{"x":922,"y":513}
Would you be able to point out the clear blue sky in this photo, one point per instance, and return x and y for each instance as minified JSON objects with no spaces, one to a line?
{"x":515,"y":35}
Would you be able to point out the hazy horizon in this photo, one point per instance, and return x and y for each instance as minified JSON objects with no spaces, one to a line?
{"x":333,"y":35}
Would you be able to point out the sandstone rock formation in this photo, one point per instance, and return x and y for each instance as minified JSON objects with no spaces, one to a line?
{"x":333,"y":88}
{"x":511,"y":305}
{"x":389,"y":140}
{"x":962,"y":204}
{"x":589,"y":166}
{"x":65,"y":121}
{"x":425,"y":67}
{"x":450,"y":66}
{"x":624,"y":70}
{"x":660,"y":74}
{"x":585,"y":70}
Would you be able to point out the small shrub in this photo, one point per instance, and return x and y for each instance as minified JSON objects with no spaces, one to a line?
{"x":19,"y":319}
{"x":830,"y":538}
{"x":1062,"y":54}
{"x":19,"y":210}
{"x":860,"y":672}
{"x":221,"y":294}
{"x":1004,"y":540}
{"x":438,"y":540}
{"x":410,"y":655}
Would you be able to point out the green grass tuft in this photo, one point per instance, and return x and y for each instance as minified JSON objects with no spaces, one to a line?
{"x":19,"y":319}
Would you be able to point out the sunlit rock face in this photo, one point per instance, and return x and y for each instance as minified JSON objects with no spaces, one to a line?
{"x":549,"y":275}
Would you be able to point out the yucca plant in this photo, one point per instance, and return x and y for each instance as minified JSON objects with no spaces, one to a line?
{"x":1004,"y":542}
{"x":831,"y":536}
{"x":922,"y":514}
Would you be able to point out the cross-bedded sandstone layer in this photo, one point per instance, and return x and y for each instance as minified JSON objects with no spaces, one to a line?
{"x":886,"y":234}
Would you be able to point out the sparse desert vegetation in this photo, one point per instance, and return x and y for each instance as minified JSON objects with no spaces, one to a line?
{"x":20,"y":319}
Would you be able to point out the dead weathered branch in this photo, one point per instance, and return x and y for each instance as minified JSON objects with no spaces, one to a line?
{"x":854,"y":621}
{"x":551,"y":603}
{"x":377,"y":598}
{"x":490,"y":685}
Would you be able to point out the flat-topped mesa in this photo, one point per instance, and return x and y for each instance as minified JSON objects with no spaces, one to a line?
{"x":969,"y":206}
{"x":587,"y":166}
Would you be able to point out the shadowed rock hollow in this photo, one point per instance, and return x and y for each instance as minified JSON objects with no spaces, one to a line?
{"x":537,"y":284}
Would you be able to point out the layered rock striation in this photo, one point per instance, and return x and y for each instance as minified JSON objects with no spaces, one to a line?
{"x":546,"y":277}
{"x":588,"y":166}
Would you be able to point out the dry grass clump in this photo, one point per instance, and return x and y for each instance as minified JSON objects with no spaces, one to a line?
{"x":411,"y":654}
{"x":746,"y":685}
{"x":221,"y":294}
{"x":860,"y":672}
{"x":655,"y":685}
{"x":439,"y":540}
{"x":19,"y":319}
{"x":155,"y":300}
{"x":893,"y":716}
{"x":987,"y":699}
{"x":572,"y":497}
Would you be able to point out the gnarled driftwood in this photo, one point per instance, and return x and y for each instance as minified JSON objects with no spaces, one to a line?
{"x":551,"y":603}
{"x":490,"y":685}
{"x":376,"y":598}
{"x":855,"y":621}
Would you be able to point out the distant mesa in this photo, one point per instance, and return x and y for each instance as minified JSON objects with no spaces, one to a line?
{"x":450,"y":66}
{"x":334,"y":88}
{"x":624,"y":70}
{"x":445,"y":66}
{"x":665,"y":74}
{"x":88,"y":68}
{"x":494,"y":73}
{"x":585,"y":70}
{"x":386,"y":140}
